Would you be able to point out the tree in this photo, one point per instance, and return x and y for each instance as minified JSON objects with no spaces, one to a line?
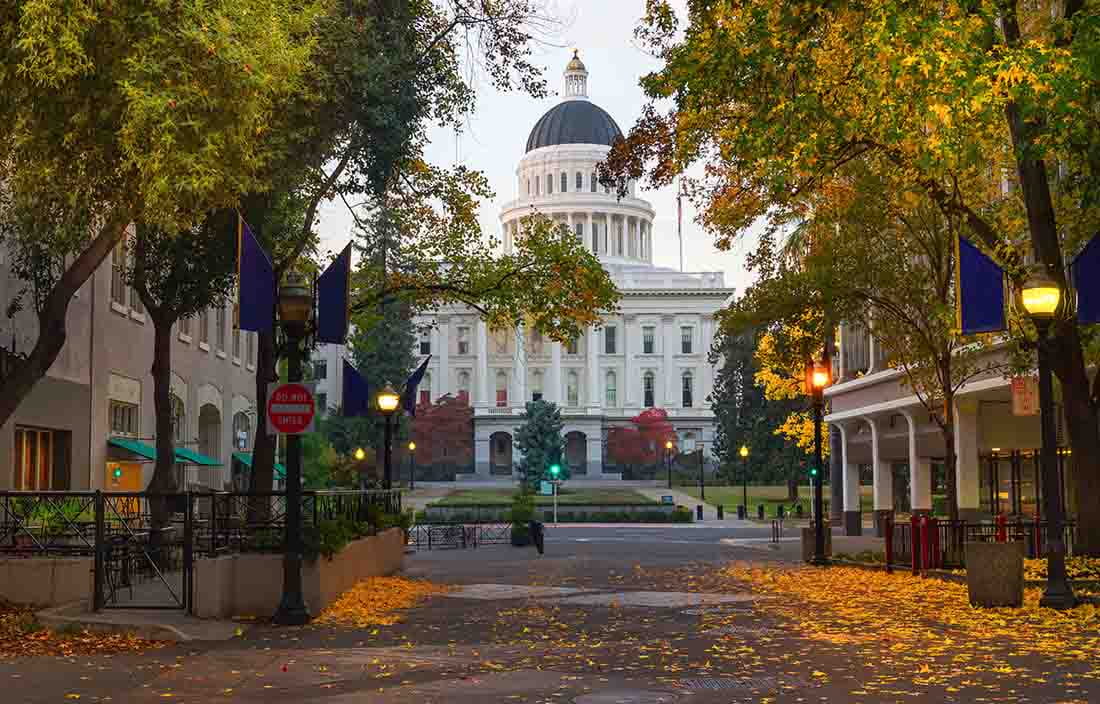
{"x":958,"y":99}
{"x":143,"y":128}
{"x":444,"y":432}
{"x":642,"y":444}
{"x":540,"y":441}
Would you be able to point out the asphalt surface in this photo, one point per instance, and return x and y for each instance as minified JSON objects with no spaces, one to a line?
{"x":608,"y":615}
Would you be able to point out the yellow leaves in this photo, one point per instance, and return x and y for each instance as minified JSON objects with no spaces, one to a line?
{"x":22,"y":636}
{"x":375,"y":601}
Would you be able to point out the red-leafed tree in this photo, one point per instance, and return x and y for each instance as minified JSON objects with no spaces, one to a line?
{"x":642,"y":443}
{"x":443,"y":432}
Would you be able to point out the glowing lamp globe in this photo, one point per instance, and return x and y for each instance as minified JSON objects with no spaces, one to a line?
{"x":1041,"y":297}
{"x":360,"y":454}
{"x":744,"y":451}
{"x":388,"y":400}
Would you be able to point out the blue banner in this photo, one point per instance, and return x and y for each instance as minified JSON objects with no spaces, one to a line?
{"x":1085,"y":270}
{"x":332,"y":300}
{"x":408,"y":396}
{"x":979,"y":290}
{"x":255,"y":283}
{"x":356,"y":393}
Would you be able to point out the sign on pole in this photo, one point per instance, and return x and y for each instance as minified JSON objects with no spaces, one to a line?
{"x":291,"y":408}
{"x":545,"y":488}
{"x":1025,"y":396}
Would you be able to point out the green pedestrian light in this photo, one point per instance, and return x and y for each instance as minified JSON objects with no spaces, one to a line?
{"x":813,"y":472}
{"x":555,"y":469}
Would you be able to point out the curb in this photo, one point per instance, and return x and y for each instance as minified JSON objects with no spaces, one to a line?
{"x":72,"y":615}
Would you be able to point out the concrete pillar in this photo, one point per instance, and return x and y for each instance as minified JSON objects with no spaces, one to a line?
{"x":883,"y":478}
{"x":668,"y":347}
{"x":590,"y":234}
{"x":519,"y":370}
{"x":594,"y":451}
{"x":629,"y":392}
{"x":920,"y":488}
{"x":555,"y":394}
{"x":853,"y":518}
{"x":967,"y":472}
{"x":482,"y":396}
{"x":836,"y":475}
{"x":591,"y":348}
{"x":443,"y":349}
{"x":481,"y":456}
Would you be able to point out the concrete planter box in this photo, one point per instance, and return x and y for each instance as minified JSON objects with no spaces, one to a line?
{"x":808,"y":543}
{"x":47,"y":581}
{"x":252,"y":584}
{"x":503,"y":513}
{"x":995,"y":573}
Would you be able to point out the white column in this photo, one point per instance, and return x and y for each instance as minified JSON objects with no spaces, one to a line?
{"x":443,"y":349}
{"x":920,"y":487}
{"x":519,"y":370}
{"x":668,"y":346}
{"x":482,"y":397}
{"x":883,"y":478}
{"x":706,"y":330}
{"x":555,"y":394}
{"x":569,"y":219}
{"x":591,"y":350}
{"x":851,"y":474}
{"x":966,"y":451}
{"x":842,"y":352}
{"x":629,"y":392}
{"x":588,"y":233}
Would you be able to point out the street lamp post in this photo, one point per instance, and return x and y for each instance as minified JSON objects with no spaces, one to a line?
{"x":668,"y":461}
{"x":388,"y":401}
{"x":702,"y":484}
{"x":819,"y":379}
{"x":744,"y":452}
{"x":295,"y":311}
{"x":412,"y":465}
{"x":1042,"y":298}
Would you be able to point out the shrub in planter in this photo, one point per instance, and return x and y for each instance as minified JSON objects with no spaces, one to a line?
{"x":523,"y":511}
{"x":681,"y":514}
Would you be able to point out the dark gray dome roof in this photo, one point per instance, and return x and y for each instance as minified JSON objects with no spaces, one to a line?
{"x":574,"y":122}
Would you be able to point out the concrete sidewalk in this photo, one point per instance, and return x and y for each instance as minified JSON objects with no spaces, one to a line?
{"x":150,"y":624}
{"x":710,"y":513}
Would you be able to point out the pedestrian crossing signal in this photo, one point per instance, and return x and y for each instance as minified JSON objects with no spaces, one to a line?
{"x":555,"y":469}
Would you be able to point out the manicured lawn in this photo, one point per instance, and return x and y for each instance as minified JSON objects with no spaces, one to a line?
{"x":588,"y":497}
{"x":771,"y":496}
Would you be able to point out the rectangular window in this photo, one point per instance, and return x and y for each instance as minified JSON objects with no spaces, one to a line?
{"x":578,"y":230}
{"x":647,"y":390}
{"x":425,"y":343}
{"x":135,"y":302}
{"x":236,"y":343}
{"x":322,"y":403}
{"x":464,"y":340}
{"x":219,"y":320}
{"x":592,"y":184}
{"x":687,"y":388}
{"x":580,"y":181}
{"x":536,"y":395}
{"x":204,"y":327}
{"x":609,"y":339}
{"x":611,"y":395}
{"x":249,"y":348}
{"x":595,"y":238}
{"x":572,"y":347}
{"x":564,"y":182}
{"x":124,"y":418}
{"x":118,"y":270}
{"x":464,"y":397}
{"x":41,"y":460}
{"x":647,"y":339}
{"x":425,"y":397}
{"x":320,"y":369}
{"x":502,"y":398}
{"x":185,"y":326}
{"x":685,"y":339}
{"x":549,"y":184}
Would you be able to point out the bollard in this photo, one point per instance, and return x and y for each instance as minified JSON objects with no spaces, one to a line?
{"x":798,"y":510}
{"x":1002,"y":528}
{"x":760,"y":512}
{"x":742,"y":514}
{"x":914,"y":543}
{"x":699,"y":512}
{"x":779,"y":512}
{"x":934,"y":535}
{"x":721,"y":512}
{"x":888,"y":530}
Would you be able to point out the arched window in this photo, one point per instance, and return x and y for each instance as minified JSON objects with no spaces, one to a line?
{"x":611,"y":393}
{"x":580,"y":181}
{"x":647,"y":389}
{"x":179,"y":419}
{"x":593,"y":183}
{"x":241,"y":430}
{"x":464,"y":387}
{"x":536,"y":386}
{"x":687,"y":384}
{"x":502,"y":389}
{"x":564,"y":182}
{"x":572,"y":389}
{"x":549,"y":184}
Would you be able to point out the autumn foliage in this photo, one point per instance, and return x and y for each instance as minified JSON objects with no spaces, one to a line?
{"x":641,"y":443}
{"x":376,"y":601}
{"x":444,"y":432}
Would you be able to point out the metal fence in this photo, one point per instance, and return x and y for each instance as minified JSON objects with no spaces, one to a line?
{"x":444,"y":536}
{"x":941,"y":543}
{"x":143,"y":544}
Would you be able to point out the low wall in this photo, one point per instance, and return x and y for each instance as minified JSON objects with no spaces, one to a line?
{"x":252,"y":584}
{"x":500,"y":512}
{"x":46,"y":581}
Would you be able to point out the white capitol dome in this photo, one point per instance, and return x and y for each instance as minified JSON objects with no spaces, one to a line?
{"x":557,"y":178}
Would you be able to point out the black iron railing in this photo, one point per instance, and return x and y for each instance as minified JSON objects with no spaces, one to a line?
{"x":942,"y":543}
{"x":442,"y":536}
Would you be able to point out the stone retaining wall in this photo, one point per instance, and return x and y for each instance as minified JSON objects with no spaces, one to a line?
{"x":252,"y":584}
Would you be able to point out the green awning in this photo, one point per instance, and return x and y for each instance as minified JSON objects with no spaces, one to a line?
{"x":135,"y":446}
{"x":185,"y":456}
{"x":245,"y":458}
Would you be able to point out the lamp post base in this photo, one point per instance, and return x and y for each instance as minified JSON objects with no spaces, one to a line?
{"x":820,"y":561}
{"x":1058,"y":595}
{"x":291,"y":614}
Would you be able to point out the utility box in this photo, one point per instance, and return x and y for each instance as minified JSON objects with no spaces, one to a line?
{"x":995,"y":573}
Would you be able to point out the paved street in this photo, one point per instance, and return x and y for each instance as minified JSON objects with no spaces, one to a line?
{"x":609,"y":614}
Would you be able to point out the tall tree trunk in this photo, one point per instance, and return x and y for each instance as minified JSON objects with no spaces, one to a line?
{"x":52,"y":330}
{"x":950,"y":459}
{"x":164,"y":478}
{"x":263,"y":448}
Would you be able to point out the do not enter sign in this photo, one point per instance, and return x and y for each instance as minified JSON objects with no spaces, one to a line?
{"x":291,"y":408}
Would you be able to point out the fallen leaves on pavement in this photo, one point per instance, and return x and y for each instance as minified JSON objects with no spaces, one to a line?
{"x":375,"y":601}
{"x":21,"y":635}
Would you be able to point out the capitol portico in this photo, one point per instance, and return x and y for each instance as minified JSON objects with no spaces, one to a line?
{"x":653,"y":353}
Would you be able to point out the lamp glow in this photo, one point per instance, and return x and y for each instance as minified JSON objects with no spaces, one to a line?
{"x":1041,"y":297}
{"x":388,"y":400}
{"x":360,"y":454}
{"x":820,"y":376}
{"x":295,"y":300}
{"x":668,"y":444}
{"x":744,"y":451}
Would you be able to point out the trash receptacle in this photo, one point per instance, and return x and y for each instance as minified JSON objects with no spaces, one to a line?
{"x":721,"y":512}
{"x":699,"y":512}
{"x":741,"y":512}
{"x":760,"y":511}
